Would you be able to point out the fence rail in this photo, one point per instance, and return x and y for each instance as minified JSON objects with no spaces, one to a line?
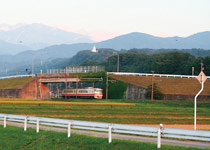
{"x":158,"y":132}
{"x":77,"y":69}
{"x":155,"y":75}
{"x":54,"y":71}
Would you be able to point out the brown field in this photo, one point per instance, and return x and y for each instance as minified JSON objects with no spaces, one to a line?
{"x":63,"y":103}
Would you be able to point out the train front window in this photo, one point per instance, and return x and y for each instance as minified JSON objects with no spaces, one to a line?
{"x":98,"y":91}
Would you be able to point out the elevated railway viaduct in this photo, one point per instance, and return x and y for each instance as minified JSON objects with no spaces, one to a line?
{"x":172,"y":86}
{"x":32,"y":87}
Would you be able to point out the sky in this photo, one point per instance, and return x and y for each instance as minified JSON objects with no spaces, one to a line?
{"x":103,"y":19}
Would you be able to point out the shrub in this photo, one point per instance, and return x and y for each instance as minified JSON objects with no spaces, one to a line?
{"x":156,"y":93}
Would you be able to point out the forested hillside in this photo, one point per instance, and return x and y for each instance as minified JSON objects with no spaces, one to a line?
{"x":171,"y":61}
{"x":141,"y":60}
{"x":164,"y":63}
{"x":145,"y":60}
{"x":86,"y":55}
{"x":194,"y":52}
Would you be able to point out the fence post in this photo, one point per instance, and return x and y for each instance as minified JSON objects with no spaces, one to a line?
{"x":159,"y":136}
{"x":37,"y":125}
{"x":69,"y":129}
{"x":110,"y":134}
{"x":25,"y":124}
{"x":5,"y":121}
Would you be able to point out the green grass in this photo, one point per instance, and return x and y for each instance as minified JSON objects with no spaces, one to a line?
{"x":14,"y":83}
{"x":13,"y":138}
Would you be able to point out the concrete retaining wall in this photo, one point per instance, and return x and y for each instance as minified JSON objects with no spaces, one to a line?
{"x":134,"y":92}
{"x":10,"y":93}
{"x":44,"y":92}
{"x":32,"y":90}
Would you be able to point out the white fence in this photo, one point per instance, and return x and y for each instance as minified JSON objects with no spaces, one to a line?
{"x":155,"y":75}
{"x":77,"y":69}
{"x":158,"y":132}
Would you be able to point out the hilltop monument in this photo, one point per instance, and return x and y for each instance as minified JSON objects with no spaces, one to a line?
{"x":94,"y":50}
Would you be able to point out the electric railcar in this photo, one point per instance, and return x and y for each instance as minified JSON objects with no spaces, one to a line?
{"x":95,"y":93}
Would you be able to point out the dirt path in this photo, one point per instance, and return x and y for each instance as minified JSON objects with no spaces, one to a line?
{"x":120,"y":136}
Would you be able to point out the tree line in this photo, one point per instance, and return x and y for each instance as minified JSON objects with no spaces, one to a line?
{"x":174,"y":62}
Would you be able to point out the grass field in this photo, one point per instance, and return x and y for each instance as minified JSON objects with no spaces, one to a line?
{"x":13,"y":138}
{"x":143,"y":112}
{"x":15,"y":83}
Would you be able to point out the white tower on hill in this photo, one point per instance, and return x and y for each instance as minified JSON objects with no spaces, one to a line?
{"x":94,"y":50}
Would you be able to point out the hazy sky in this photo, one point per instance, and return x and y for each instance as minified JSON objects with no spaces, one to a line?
{"x":103,"y":19}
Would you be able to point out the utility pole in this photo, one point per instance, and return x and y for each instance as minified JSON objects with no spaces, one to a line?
{"x":76,"y":86}
{"x":107,"y":86}
{"x":152,"y":95}
{"x":202,"y":68}
{"x":118,"y":63}
{"x":32,"y":65}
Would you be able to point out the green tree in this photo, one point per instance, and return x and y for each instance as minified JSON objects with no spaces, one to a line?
{"x":172,"y":63}
{"x":117,"y":89}
{"x":156,"y":93}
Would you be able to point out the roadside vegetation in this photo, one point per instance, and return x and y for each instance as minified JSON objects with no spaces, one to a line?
{"x":14,"y":138}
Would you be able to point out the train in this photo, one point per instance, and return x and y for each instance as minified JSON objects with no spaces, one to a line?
{"x":93,"y":93}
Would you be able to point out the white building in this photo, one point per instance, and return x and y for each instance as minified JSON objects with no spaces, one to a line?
{"x":94,"y":50}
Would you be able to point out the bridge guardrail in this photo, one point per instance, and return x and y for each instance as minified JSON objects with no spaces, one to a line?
{"x":17,"y":76}
{"x":158,"y":132}
{"x":120,"y":73}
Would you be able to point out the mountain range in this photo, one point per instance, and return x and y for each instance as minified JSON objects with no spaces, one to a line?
{"x":141,"y":40}
{"x":16,"y":45}
{"x":9,"y":48}
{"x":37,"y":36}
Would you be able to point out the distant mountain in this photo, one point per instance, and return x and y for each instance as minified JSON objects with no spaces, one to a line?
{"x":8,"y":48}
{"x":52,"y":52}
{"x":37,"y":36}
{"x":49,"y":55}
{"x":141,"y":40}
